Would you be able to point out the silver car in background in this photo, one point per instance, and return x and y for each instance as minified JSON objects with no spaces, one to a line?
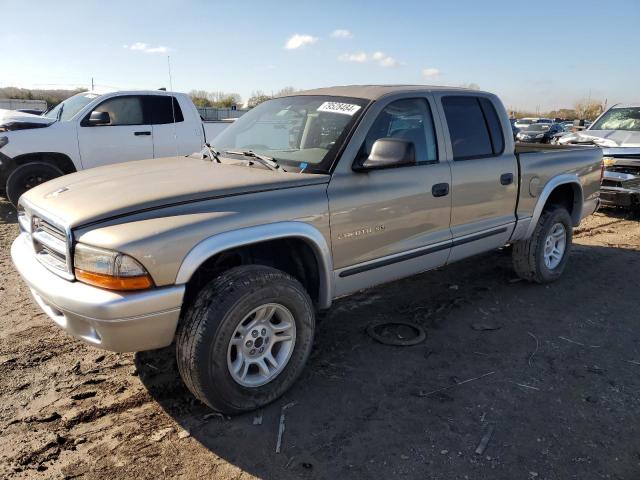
{"x":617,"y":132}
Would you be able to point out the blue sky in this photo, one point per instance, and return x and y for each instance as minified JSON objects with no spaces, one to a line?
{"x":535,"y":53}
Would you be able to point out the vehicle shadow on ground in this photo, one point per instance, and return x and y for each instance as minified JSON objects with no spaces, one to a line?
{"x":621,"y":213}
{"x":8,"y":213}
{"x":532,"y":361}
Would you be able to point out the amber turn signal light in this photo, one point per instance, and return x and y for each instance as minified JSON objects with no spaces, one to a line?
{"x":109,"y":282}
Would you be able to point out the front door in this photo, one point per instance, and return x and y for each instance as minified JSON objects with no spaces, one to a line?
{"x":126,"y":137}
{"x":390,"y":223}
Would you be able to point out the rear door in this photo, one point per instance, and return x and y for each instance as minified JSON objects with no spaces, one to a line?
{"x":172,"y":133}
{"x":484,"y":174}
{"x":394,"y":222}
{"x":127,"y":137}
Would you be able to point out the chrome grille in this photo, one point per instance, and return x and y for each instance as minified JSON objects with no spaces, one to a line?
{"x":51,"y":242}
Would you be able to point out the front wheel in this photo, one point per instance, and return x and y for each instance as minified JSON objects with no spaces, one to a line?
{"x":27,"y":176}
{"x":246,"y":338}
{"x":543,"y":257}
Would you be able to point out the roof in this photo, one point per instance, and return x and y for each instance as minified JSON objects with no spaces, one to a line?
{"x":374,"y":92}
{"x":130,"y":91}
{"x":626,"y":105}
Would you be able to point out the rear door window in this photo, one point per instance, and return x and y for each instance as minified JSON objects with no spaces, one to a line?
{"x":474,"y":127}
{"x":161,"y":109}
{"x":493,"y":122}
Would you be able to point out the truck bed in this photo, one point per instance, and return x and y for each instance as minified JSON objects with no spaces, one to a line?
{"x":539,"y":163}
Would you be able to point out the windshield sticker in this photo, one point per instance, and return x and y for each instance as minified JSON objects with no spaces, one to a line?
{"x":337,"y":107}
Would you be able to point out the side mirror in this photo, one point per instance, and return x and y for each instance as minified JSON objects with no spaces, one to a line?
{"x":389,"y":153}
{"x":99,"y":118}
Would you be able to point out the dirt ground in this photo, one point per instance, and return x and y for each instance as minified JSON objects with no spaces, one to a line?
{"x":556,"y":369}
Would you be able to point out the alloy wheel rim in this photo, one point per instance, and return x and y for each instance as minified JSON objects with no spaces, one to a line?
{"x":35,"y":180}
{"x":555,"y":245}
{"x":261,"y":345}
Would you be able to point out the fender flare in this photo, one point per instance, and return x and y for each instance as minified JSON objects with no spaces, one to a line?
{"x":221,"y":242}
{"x":564,"y":179}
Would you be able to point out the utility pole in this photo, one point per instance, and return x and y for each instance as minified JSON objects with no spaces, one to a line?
{"x":91,"y":83}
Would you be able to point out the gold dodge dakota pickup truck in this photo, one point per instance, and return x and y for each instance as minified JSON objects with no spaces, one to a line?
{"x":230,"y":252}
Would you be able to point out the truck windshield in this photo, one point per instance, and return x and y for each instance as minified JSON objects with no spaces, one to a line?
{"x":304,"y":131}
{"x":70,"y":106}
{"x":619,"y":119}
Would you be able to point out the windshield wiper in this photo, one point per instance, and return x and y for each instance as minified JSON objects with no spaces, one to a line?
{"x":268,"y":162}
{"x":213,"y":153}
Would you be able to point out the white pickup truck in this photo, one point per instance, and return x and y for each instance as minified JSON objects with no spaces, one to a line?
{"x":92,"y":129}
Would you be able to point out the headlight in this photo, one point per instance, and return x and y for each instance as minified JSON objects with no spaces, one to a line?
{"x":540,"y":135}
{"x":3,"y":141}
{"x":109,"y":269}
{"x":608,"y":161}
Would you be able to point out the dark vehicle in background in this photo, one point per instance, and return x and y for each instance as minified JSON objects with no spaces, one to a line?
{"x":515,"y":130}
{"x":617,"y":132}
{"x":539,"y":133}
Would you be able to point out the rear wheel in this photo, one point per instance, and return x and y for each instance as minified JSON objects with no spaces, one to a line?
{"x":543,"y":257}
{"x":27,"y":176}
{"x":246,"y":338}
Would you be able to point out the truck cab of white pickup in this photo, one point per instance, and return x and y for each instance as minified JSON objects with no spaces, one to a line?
{"x":92,"y":129}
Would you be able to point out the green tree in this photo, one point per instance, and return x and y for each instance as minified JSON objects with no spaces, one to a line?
{"x":256,"y":98}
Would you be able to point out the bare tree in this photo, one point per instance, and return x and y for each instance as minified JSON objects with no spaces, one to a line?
{"x":588,"y":109}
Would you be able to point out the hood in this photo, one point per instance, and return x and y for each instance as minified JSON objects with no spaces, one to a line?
{"x":12,"y":120}
{"x":604,"y":138}
{"x":113,"y":190}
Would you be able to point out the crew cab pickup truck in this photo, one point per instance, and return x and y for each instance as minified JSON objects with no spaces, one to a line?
{"x":617,"y":132}
{"x":231,"y":252}
{"x":92,"y":129}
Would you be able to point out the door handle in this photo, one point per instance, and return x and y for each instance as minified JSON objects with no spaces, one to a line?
{"x":440,"y":190}
{"x":137,"y":134}
{"x":506,"y":178}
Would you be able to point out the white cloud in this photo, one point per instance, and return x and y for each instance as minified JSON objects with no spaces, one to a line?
{"x":359,"y":57}
{"x":430,"y":72}
{"x":362,"y":57}
{"x":384,"y":60}
{"x":341,"y":33}
{"x":298,"y":41}
{"x":146,"y":48}
{"x":388,"y":62}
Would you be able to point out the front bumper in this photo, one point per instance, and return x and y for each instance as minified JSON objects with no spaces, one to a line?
{"x":619,"y":197}
{"x":620,"y":189}
{"x":116,"y":321}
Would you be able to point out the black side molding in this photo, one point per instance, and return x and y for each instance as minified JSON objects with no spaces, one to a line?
{"x":478,"y":236}
{"x":419,"y":253}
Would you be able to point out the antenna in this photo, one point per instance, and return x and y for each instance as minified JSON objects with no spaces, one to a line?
{"x":173,"y":109}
